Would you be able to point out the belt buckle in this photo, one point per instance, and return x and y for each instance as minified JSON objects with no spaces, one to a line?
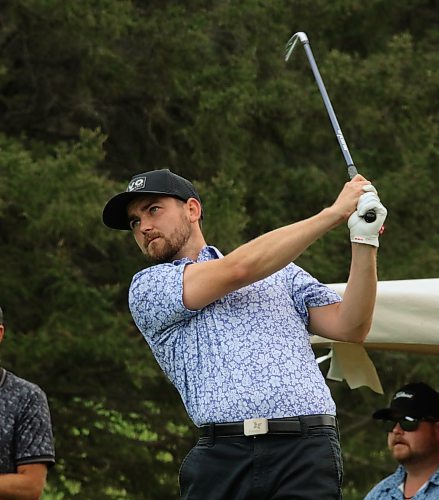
{"x":255,"y":426}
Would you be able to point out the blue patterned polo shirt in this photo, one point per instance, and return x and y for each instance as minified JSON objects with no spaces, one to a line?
{"x":246,"y":355}
{"x":391,"y":487}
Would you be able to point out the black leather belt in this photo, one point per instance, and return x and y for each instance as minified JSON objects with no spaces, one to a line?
{"x":257,"y":426}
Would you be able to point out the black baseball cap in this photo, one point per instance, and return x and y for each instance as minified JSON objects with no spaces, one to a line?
{"x":416,"y":400}
{"x":163,"y":182}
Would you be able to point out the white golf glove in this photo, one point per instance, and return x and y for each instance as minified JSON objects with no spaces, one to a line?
{"x":367,"y":232}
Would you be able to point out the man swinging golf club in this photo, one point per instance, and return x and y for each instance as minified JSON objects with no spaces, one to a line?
{"x":233,"y":335}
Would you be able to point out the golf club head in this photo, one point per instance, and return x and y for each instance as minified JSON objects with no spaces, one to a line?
{"x":300,"y":35}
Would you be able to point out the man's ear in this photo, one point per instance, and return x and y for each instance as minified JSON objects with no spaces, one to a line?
{"x":2,"y":332}
{"x":194,"y":209}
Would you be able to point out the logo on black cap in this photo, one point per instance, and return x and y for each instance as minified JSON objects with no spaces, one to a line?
{"x":136,"y":184}
{"x":402,"y":394}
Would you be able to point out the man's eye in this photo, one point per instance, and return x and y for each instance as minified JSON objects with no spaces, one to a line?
{"x":134,"y":223}
{"x":153,"y":210}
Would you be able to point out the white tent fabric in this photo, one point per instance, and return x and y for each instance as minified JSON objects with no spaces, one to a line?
{"x":406,"y":318}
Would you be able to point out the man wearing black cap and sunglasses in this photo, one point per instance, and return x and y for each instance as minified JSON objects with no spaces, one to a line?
{"x":232,"y":334}
{"x":412,"y":423}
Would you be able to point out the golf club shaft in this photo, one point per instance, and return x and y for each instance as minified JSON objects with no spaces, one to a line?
{"x":352,"y":171}
{"x":370,"y":216}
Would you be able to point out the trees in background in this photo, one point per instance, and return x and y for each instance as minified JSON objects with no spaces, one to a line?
{"x":92,"y":92}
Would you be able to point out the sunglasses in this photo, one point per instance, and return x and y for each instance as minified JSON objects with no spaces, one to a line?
{"x":408,"y":424}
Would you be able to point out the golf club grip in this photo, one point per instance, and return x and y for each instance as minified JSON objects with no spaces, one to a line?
{"x":370,"y":215}
{"x":352,"y":171}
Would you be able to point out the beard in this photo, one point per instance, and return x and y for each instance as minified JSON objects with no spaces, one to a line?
{"x":402,"y":454}
{"x":159,"y":249}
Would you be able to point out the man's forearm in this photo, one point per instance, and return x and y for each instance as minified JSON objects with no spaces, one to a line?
{"x":19,"y":487}
{"x":270,"y":252}
{"x":356,"y":310}
{"x":350,"y":320}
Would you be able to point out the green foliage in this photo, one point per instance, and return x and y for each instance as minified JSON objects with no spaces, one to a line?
{"x":60,"y":294}
{"x":94,"y":91}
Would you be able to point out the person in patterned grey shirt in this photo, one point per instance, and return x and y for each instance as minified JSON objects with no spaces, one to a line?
{"x":232,"y":333}
{"x":26,"y":441}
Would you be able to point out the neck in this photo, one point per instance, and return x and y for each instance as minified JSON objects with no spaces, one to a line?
{"x":418,"y":475}
{"x":422,"y":469}
{"x":192,"y":248}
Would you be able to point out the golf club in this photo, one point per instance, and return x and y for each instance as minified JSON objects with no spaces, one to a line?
{"x":352,"y":170}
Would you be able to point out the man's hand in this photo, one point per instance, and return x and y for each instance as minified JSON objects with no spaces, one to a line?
{"x":367,"y":232}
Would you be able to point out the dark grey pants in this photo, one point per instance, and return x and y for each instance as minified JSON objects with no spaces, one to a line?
{"x":268,"y":467}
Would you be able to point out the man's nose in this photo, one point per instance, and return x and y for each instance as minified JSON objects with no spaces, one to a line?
{"x":145,"y":224}
{"x":397,"y":429}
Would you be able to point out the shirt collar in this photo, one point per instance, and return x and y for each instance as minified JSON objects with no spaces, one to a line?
{"x":397,"y":478}
{"x":208,"y":252}
{"x":435,"y":477}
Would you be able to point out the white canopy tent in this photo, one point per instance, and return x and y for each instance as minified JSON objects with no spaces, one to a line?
{"x":406,"y":318}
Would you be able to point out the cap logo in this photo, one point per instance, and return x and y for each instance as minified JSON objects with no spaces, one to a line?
{"x":136,"y":184}
{"x":403,"y":394}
